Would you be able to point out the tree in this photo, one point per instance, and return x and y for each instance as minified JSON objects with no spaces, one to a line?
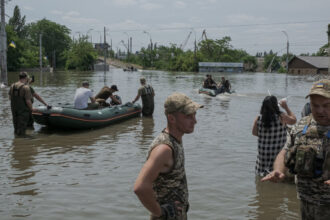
{"x":55,"y":40}
{"x":18,"y":23}
{"x":272,"y":62}
{"x":81,"y":55}
{"x":250,"y":63}
{"x":173,"y":58}
{"x":323,"y":50}
{"x":213,"y":50}
{"x":20,"y":52}
{"x":13,"y":53}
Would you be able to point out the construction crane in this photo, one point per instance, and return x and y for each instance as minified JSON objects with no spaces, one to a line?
{"x":182,"y":46}
{"x":204,"y":34}
{"x":122,"y":41}
{"x":204,"y":37}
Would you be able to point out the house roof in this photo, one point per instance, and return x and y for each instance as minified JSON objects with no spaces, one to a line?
{"x":318,"y":62}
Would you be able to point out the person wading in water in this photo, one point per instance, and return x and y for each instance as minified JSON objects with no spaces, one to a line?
{"x":161,"y":185}
{"x":147,"y":93}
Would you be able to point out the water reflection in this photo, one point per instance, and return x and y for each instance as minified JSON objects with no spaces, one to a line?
{"x":274,"y":201}
{"x":52,"y":137}
{"x":147,"y":132}
{"x":23,"y":155}
{"x":224,"y":101}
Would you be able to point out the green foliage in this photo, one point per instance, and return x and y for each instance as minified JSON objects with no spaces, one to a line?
{"x":173,"y":58}
{"x":13,"y":54}
{"x":24,"y":55}
{"x":30,"y":58}
{"x":18,"y":23}
{"x":55,"y":39}
{"x":250,"y":63}
{"x":283,"y":57}
{"x":217,"y":50}
{"x":81,"y":55}
{"x":282,"y":70}
{"x":56,"y":45}
{"x":323,"y":51}
{"x":271,"y":62}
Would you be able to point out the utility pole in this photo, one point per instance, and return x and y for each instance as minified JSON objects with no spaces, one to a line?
{"x":329,"y":48}
{"x":54,"y":60}
{"x":3,"y":45}
{"x":40,"y":52}
{"x":128,"y":49}
{"x":105,"y":53}
{"x":130,"y":45}
{"x":287,"y":56}
{"x":195,"y":55}
{"x":195,"y":52}
{"x":287,"y":51}
{"x":111,"y":46}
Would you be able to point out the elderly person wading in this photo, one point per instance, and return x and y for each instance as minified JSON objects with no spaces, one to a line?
{"x":307,"y":154}
{"x":162,"y":185}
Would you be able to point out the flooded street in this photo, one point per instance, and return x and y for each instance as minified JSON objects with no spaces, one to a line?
{"x":90,"y":174}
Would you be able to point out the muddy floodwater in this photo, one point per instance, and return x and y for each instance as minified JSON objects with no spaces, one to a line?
{"x":83,"y":175}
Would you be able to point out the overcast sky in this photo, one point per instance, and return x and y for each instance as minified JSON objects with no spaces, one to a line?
{"x":253,"y":25}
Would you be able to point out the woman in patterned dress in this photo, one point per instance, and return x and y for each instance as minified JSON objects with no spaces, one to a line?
{"x":270,"y":128}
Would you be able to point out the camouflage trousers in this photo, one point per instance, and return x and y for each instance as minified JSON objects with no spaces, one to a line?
{"x":311,"y":211}
{"x":183,"y":216}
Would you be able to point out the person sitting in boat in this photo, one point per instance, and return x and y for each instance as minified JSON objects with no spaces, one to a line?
{"x":106,"y":93}
{"x":227,"y":86}
{"x":224,"y":86}
{"x":209,"y":83}
{"x":82,"y":95}
{"x":119,"y":102}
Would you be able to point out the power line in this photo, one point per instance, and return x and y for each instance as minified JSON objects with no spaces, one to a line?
{"x":222,"y":26}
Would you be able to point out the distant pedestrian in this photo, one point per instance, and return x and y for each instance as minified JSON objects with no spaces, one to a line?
{"x":20,"y":102}
{"x":162,"y":185}
{"x":147,"y":93}
{"x":271,"y":130}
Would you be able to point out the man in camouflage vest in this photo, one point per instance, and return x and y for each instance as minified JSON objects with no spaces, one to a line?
{"x":147,"y":93}
{"x":162,"y":185}
{"x":307,"y":154}
{"x":20,"y":102}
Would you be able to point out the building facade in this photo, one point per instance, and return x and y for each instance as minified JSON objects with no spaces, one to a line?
{"x":220,"y":67}
{"x":308,"y":65}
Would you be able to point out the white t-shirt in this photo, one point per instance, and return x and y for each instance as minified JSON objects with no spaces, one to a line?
{"x":81,"y":98}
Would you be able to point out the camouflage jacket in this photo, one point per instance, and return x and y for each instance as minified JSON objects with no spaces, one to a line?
{"x":308,"y":134}
{"x":171,"y":186}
